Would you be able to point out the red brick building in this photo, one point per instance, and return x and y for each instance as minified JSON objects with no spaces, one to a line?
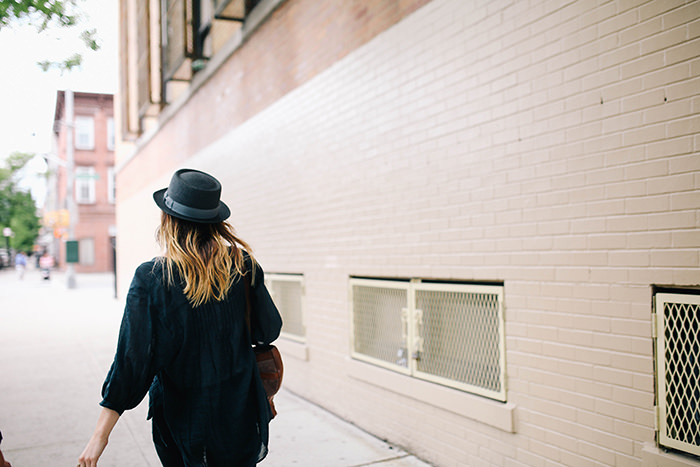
{"x":93,"y":181}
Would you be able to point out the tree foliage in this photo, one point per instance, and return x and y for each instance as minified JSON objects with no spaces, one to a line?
{"x":39,"y":12}
{"x":17,"y":207}
{"x":44,"y":14}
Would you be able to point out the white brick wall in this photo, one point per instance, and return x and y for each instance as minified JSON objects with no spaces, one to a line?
{"x":550,"y":145}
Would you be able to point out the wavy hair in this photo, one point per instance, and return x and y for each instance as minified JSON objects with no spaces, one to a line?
{"x":208,"y":257}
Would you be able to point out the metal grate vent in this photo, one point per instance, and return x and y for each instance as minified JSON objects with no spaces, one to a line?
{"x":287,"y":292}
{"x":451,"y":334}
{"x":377,"y":323}
{"x":461,"y":339}
{"x":678,"y":367}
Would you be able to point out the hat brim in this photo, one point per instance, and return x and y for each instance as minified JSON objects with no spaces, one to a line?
{"x":223,"y":213}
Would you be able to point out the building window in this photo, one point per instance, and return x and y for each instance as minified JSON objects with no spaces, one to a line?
{"x":86,"y":251}
{"x":446,"y":333}
{"x":111,"y":185}
{"x":187,"y":30}
{"x":287,"y":291}
{"x":84,"y":133}
{"x":110,"y":134}
{"x":85,"y":178}
{"x":677,"y":332}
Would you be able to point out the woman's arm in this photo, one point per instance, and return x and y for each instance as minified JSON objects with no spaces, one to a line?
{"x":105,"y":423}
{"x":3,"y":462}
{"x":266,"y":321}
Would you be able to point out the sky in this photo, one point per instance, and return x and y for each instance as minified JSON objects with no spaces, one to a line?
{"x":28,"y":94}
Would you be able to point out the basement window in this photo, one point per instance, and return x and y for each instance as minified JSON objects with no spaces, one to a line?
{"x":287,"y":291}
{"x":446,"y":333}
{"x":677,"y":348}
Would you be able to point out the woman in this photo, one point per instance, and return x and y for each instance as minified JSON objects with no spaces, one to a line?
{"x":185,"y":338}
{"x":3,"y":462}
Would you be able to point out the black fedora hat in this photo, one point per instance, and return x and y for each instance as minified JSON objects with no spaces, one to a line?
{"x":193,"y":196}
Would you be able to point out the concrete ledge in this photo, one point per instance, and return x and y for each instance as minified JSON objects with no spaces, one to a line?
{"x":652,"y":456}
{"x":496,"y":414}
{"x":288,"y":347}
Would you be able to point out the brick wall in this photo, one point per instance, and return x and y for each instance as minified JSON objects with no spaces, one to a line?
{"x":549,"y":145}
{"x":301,"y":39}
{"x":96,"y":220}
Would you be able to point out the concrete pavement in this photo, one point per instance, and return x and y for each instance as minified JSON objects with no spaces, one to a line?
{"x":56,"y":345}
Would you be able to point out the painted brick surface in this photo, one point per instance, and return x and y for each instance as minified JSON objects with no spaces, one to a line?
{"x":96,"y":220}
{"x":549,"y":145}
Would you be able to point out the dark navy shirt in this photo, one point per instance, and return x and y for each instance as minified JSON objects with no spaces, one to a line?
{"x":197,"y":362}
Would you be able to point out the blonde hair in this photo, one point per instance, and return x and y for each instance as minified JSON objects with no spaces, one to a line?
{"x":208,"y":257}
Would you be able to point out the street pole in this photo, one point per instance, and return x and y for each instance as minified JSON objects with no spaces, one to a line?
{"x":70,"y":175}
{"x":7,"y":233}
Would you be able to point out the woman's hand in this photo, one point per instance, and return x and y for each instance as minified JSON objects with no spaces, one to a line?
{"x":93,"y":451}
{"x":98,"y":442}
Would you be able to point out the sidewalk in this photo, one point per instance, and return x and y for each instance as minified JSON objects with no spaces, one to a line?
{"x":56,"y":346}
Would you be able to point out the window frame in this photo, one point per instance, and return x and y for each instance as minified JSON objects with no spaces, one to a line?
{"x":89,"y":181}
{"x":83,"y":128}
{"x":111,"y":135}
{"x":86,"y":251}
{"x":410,"y":319}
{"x":111,"y":185}
{"x":676,"y":297}
{"x":295,"y":278}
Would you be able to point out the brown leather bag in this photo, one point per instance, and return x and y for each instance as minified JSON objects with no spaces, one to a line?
{"x":267,"y":356}
{"x":271,"y":371}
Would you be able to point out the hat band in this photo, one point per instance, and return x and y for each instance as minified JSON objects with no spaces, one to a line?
{"x":188,"y":211}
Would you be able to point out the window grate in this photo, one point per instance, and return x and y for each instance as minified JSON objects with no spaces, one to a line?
{"x":451,"y":334}
{"x":287,"y":292}
{"x":678,"y":370}
{"x":378,"y":323}
{"x":461,"y":337}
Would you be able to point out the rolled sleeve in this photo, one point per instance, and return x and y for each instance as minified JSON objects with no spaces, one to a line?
{"x":133,"y":368}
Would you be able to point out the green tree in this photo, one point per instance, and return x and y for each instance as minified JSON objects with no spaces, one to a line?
{"x":17,"y":207}
{"x":46,"y":13}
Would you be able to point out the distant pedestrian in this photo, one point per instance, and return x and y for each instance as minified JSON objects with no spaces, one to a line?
{"x":46,"y":263}
{"x":185,"y":338}
{"x":3,"y":462}
{"x":20,"y":264}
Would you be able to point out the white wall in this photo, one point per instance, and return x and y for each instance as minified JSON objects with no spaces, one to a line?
{"x":550,"y":145}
